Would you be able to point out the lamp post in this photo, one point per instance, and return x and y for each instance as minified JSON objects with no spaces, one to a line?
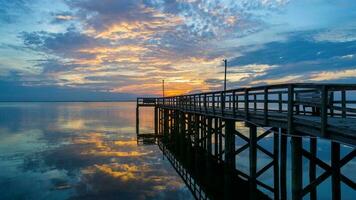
{"x":163,"y":88}
{"x":225,"y":64}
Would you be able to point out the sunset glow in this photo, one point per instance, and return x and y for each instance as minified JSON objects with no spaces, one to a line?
{"x":125,"y":49}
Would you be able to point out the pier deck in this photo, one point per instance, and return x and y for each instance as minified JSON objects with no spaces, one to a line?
{"x":288,"y":111}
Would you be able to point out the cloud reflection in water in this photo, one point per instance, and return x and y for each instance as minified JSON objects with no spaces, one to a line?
{"x":81,"y":151}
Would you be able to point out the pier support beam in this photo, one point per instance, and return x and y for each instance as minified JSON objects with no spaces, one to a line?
{"x":137,"y":120}
{"x":196,"y":143}
{"x":229,"y":158}
{"x":209,"y":149}
{"x":297,"y":168}
{"x":312,"y":167}
{"x":182,"y":132}
{"x":335,"y":177}
{"x":276,"y":164}
{"x":216,"y":143}
{"x":165,"y":125}
{"x":156,"y":120}
{"x":283,"y":161}
{"x":253,"y":161}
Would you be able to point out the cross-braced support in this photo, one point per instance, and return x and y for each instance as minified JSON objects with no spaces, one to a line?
{"x":200,"y":140}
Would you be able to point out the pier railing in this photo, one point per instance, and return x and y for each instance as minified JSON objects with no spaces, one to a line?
{"x":195,"y":125}
{"x":317,"y":106}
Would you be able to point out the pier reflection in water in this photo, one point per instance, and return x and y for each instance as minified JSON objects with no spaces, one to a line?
{"x":204,"y":174}
{"x":208,"y":176}
{"x":80,"y":151}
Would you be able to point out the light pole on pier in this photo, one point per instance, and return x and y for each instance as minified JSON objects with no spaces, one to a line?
{"x":163,"y":88}
{"x":225,"y":64}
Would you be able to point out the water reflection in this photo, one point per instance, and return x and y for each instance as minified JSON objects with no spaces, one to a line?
{"x":81,"y":151}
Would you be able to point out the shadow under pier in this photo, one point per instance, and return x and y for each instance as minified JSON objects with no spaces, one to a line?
{"x":205,"y":177}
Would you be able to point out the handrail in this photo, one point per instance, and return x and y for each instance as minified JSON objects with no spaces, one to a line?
{"x":331,"y":86}
{"x":335,"y":100}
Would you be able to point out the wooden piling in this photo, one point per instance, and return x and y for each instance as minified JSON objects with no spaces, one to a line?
{"x":276,"y":164}
{"x":156,"y":117}
{"x":283,"y":163}
{"x":229,"y":158}
{"x":297,"y":168}
{"x":335,"y":178}
{"x":312,"y":167}
{"x":253,"y":160}
{"x":137,"y":120}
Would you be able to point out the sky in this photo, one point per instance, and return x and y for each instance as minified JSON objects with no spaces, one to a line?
{"x":120,"y":49}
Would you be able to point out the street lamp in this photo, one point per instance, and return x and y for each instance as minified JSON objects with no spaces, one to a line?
{"x":225,"y":63}
{"x":163,"y":88}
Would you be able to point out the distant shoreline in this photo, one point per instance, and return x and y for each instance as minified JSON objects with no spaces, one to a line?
{"x":67,"y":101}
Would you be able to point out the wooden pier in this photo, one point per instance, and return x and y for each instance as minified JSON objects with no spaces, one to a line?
{"x":206,"y":123}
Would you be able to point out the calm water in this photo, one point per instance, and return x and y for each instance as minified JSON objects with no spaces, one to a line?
{"x":89,"y":151}
{"x":81,"y":151}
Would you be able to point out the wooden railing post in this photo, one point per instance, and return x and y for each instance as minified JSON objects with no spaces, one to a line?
{"x":265,"y":106}
{"x":190,"y":102}
{"x":222,"y":102}
{"x":343,"y":103}
{"x":205,"y":108}
{"x":246,"y":104}
{"x":214,"y":103}
{"x":194,"y":103}
{"x":290,"y":108}
{"x":324,"y":110}
{"x":280,"y":102}
{"x":199,"y":102}
{"x":254,"y":103}
{"x":234,"y":103}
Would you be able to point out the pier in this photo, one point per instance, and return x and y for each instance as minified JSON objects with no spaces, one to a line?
{"x":199,"y":134}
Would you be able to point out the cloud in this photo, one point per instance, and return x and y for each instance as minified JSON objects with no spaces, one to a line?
{"x":62,"y":17}
{"x":125,"y":46}
{"x":130,"y":46}
{"x":299,"y":58}
{"x":66,"y":44}
{"x":335,"y":75}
